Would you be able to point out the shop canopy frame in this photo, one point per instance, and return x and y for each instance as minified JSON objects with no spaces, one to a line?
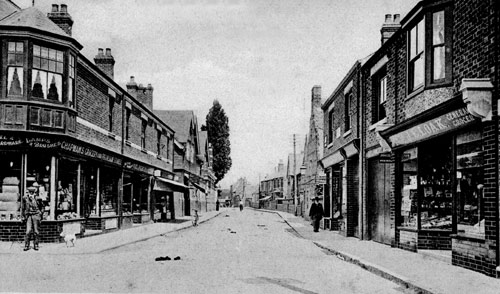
{"x":162,"y":184}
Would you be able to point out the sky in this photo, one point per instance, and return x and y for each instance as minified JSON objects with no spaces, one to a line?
{"x":258,"y":58}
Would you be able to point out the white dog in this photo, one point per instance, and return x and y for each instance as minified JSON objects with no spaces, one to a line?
{"x":69,"y":238}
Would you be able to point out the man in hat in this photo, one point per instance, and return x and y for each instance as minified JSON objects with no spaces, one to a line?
{"x":31,"y":213}
{"x":316,"y":213}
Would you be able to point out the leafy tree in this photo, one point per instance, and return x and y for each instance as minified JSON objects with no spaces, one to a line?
{"x":217,"y":126}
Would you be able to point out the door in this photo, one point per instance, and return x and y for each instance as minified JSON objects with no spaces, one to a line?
{"x":379,"y":208}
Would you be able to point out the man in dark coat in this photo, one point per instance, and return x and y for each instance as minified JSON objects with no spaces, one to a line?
{"x":316,"y":213}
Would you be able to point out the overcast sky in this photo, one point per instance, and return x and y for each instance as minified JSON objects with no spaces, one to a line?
{"x":259,"y":58}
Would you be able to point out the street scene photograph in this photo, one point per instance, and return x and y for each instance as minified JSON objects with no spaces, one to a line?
{"x":250,"y":146}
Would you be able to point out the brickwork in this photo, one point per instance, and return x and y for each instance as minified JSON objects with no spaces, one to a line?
{"x":14,"y":231}
{"x":474,"y":254}
{"x":407,"y":240}
{"x":435,"y":240}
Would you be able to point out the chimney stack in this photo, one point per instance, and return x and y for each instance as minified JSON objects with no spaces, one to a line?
{"x":390,"y":26}
{"x":105,"y":62}
{"x":61,"y":18}
{"x":143,"y":94}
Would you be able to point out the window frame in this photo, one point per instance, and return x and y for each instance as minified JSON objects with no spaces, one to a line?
{"x":63,"y":73}
{"x":23,"y":65}
{"x":144,"y":125}
{"x":331,"y":132}
{"x":348,"y":96}
{"x":377,"y":78}
{"x":128,"y":112}
{"x":428,"y":49}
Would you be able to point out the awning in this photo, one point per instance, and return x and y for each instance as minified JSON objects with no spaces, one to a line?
{"x":265,"y":198}
{"x":198,"y":187}
{"x":162,"y":184}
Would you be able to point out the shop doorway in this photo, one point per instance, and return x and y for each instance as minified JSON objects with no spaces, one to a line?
{"x":379,"y":209}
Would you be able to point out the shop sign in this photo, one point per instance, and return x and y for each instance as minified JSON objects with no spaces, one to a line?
{"x":89,"y":152}
{"x":138,"y":167}
{"x":439,"y":125}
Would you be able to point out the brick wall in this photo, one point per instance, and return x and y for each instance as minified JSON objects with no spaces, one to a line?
{"x":15,"y":231}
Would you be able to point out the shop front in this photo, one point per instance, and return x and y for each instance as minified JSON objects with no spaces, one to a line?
{"x":440,"y":179}
{"x":164,"y":202}
{"x":77,"y":189}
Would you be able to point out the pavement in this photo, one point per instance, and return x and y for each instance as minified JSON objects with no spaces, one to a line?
{"x":428,"y":272}
{"x":104,"y":242}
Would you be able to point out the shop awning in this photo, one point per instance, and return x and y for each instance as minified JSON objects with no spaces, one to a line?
{"x":198,"y":187}
{"x":265,"y":198}
{"x":162,"y":184}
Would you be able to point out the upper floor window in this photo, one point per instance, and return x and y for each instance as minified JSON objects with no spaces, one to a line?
{"x":15,"y":69}
{"x":47,"y":73}
{"x":380,"y":97}
{"x":429,"y":50}
{"x":71,"y":81}
{"x":143,"y":134}
{"x":111,"y":103}
{"x":347,"y":111}
{"x":168,"y":146}
{"x":127,"y":124}
{"x":158,"y":141}
{"x":330,"y":126}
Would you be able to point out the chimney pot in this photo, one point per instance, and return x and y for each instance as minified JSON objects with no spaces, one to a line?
{"x":64,"y":8}
{"x":55,"y":8}
{"x":132,"y":79}
{"x":397,"y":18}
{"x":388,"y":18}
{"x":100,"y":51}
{"x":108,"y":51}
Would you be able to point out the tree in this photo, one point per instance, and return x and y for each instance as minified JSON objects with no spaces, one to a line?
{"x":217,"y":126}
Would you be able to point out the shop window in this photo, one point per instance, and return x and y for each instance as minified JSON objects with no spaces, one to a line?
{"x":67,"y":189}
{"x":380,"y":95}
{"x":435,"y":175}
{"x":15,"y":68}
{"x":71,"y":81}
{"x":108,"y":191}
{"x":128,"y":188}
{"x":140,"y":196}
{"x":38,"y":175}
{"x":88,"y":189}
{"x":47,"y":73}
{"x":470,"y":183}
{"x":10,"y":186}
{"x":429,"y":59}
{"x":409,"y":199}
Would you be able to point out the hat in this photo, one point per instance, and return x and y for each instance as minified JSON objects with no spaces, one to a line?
{"x":32,"y":188}
{"x":316,"y":198}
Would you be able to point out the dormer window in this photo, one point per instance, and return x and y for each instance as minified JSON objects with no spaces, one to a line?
{"x":15,"y":69}
{"x":47,"y":73}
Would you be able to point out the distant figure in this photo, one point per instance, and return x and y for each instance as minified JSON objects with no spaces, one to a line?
{"x":196,"y":218}
{"x":316,"y":213}
{"x":241,"y":207}
{"x":217,"y":204}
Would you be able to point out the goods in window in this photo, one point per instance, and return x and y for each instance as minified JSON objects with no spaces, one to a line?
{"x":9,"y":199}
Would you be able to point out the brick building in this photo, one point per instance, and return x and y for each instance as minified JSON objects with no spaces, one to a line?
{"x":430,"y":140}
{"x":100,"y":158}
{"x":341,"y":154}
{"x":272,"y":186}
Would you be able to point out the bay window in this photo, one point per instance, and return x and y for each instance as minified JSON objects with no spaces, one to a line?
{"x":47,"y":73}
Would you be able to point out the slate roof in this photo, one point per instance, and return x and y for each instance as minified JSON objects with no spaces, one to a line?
{"x":179,"y":121}
{"x":32,"y":18}
{"x":7,"y":8}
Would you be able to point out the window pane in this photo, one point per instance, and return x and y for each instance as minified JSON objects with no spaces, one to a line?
{"x":15,"y":81}
{"x":418,"y":72}
{"x":413,"y":43}
{"x":70,"y":93}
{"x":55,"y":87}
{"x":52,"y":65}
{"x":36,"y":62}
{"x":59,"y":56}
{"x":45,"y":52}
{"x":44,"y":64}
{"x":12,"y":47}
{"x":36,"y":50}
{"x":439,"y":72}
{"x":19,"y":47}
{"x":52,"y":54}
{"x":383,"y":87}
{"x":39,"y":86}
{"x":59,"y":67}
{"x":420,"y":36}
{"x":11,"y":58}
{"x":438,"y":28}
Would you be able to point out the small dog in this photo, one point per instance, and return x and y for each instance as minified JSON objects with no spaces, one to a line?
{"x":69,"y":238}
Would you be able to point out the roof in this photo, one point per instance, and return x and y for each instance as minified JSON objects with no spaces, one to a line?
{"x":32,"y":18}
{"x":299,"y":161}
{"x":178,"y":120}
{"x":7,"y":8}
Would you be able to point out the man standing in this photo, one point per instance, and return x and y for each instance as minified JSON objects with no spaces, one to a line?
{"x":31,"y":214}
{"x":316,"y":213}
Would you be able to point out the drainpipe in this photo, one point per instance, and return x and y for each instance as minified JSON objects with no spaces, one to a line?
{"x":361,"y":136}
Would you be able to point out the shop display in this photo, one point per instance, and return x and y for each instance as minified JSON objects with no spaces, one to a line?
{"x":409,"y":192}
{"x":10,"y":199}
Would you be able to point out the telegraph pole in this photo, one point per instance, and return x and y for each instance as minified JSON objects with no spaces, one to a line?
{"x":294,"y":172}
